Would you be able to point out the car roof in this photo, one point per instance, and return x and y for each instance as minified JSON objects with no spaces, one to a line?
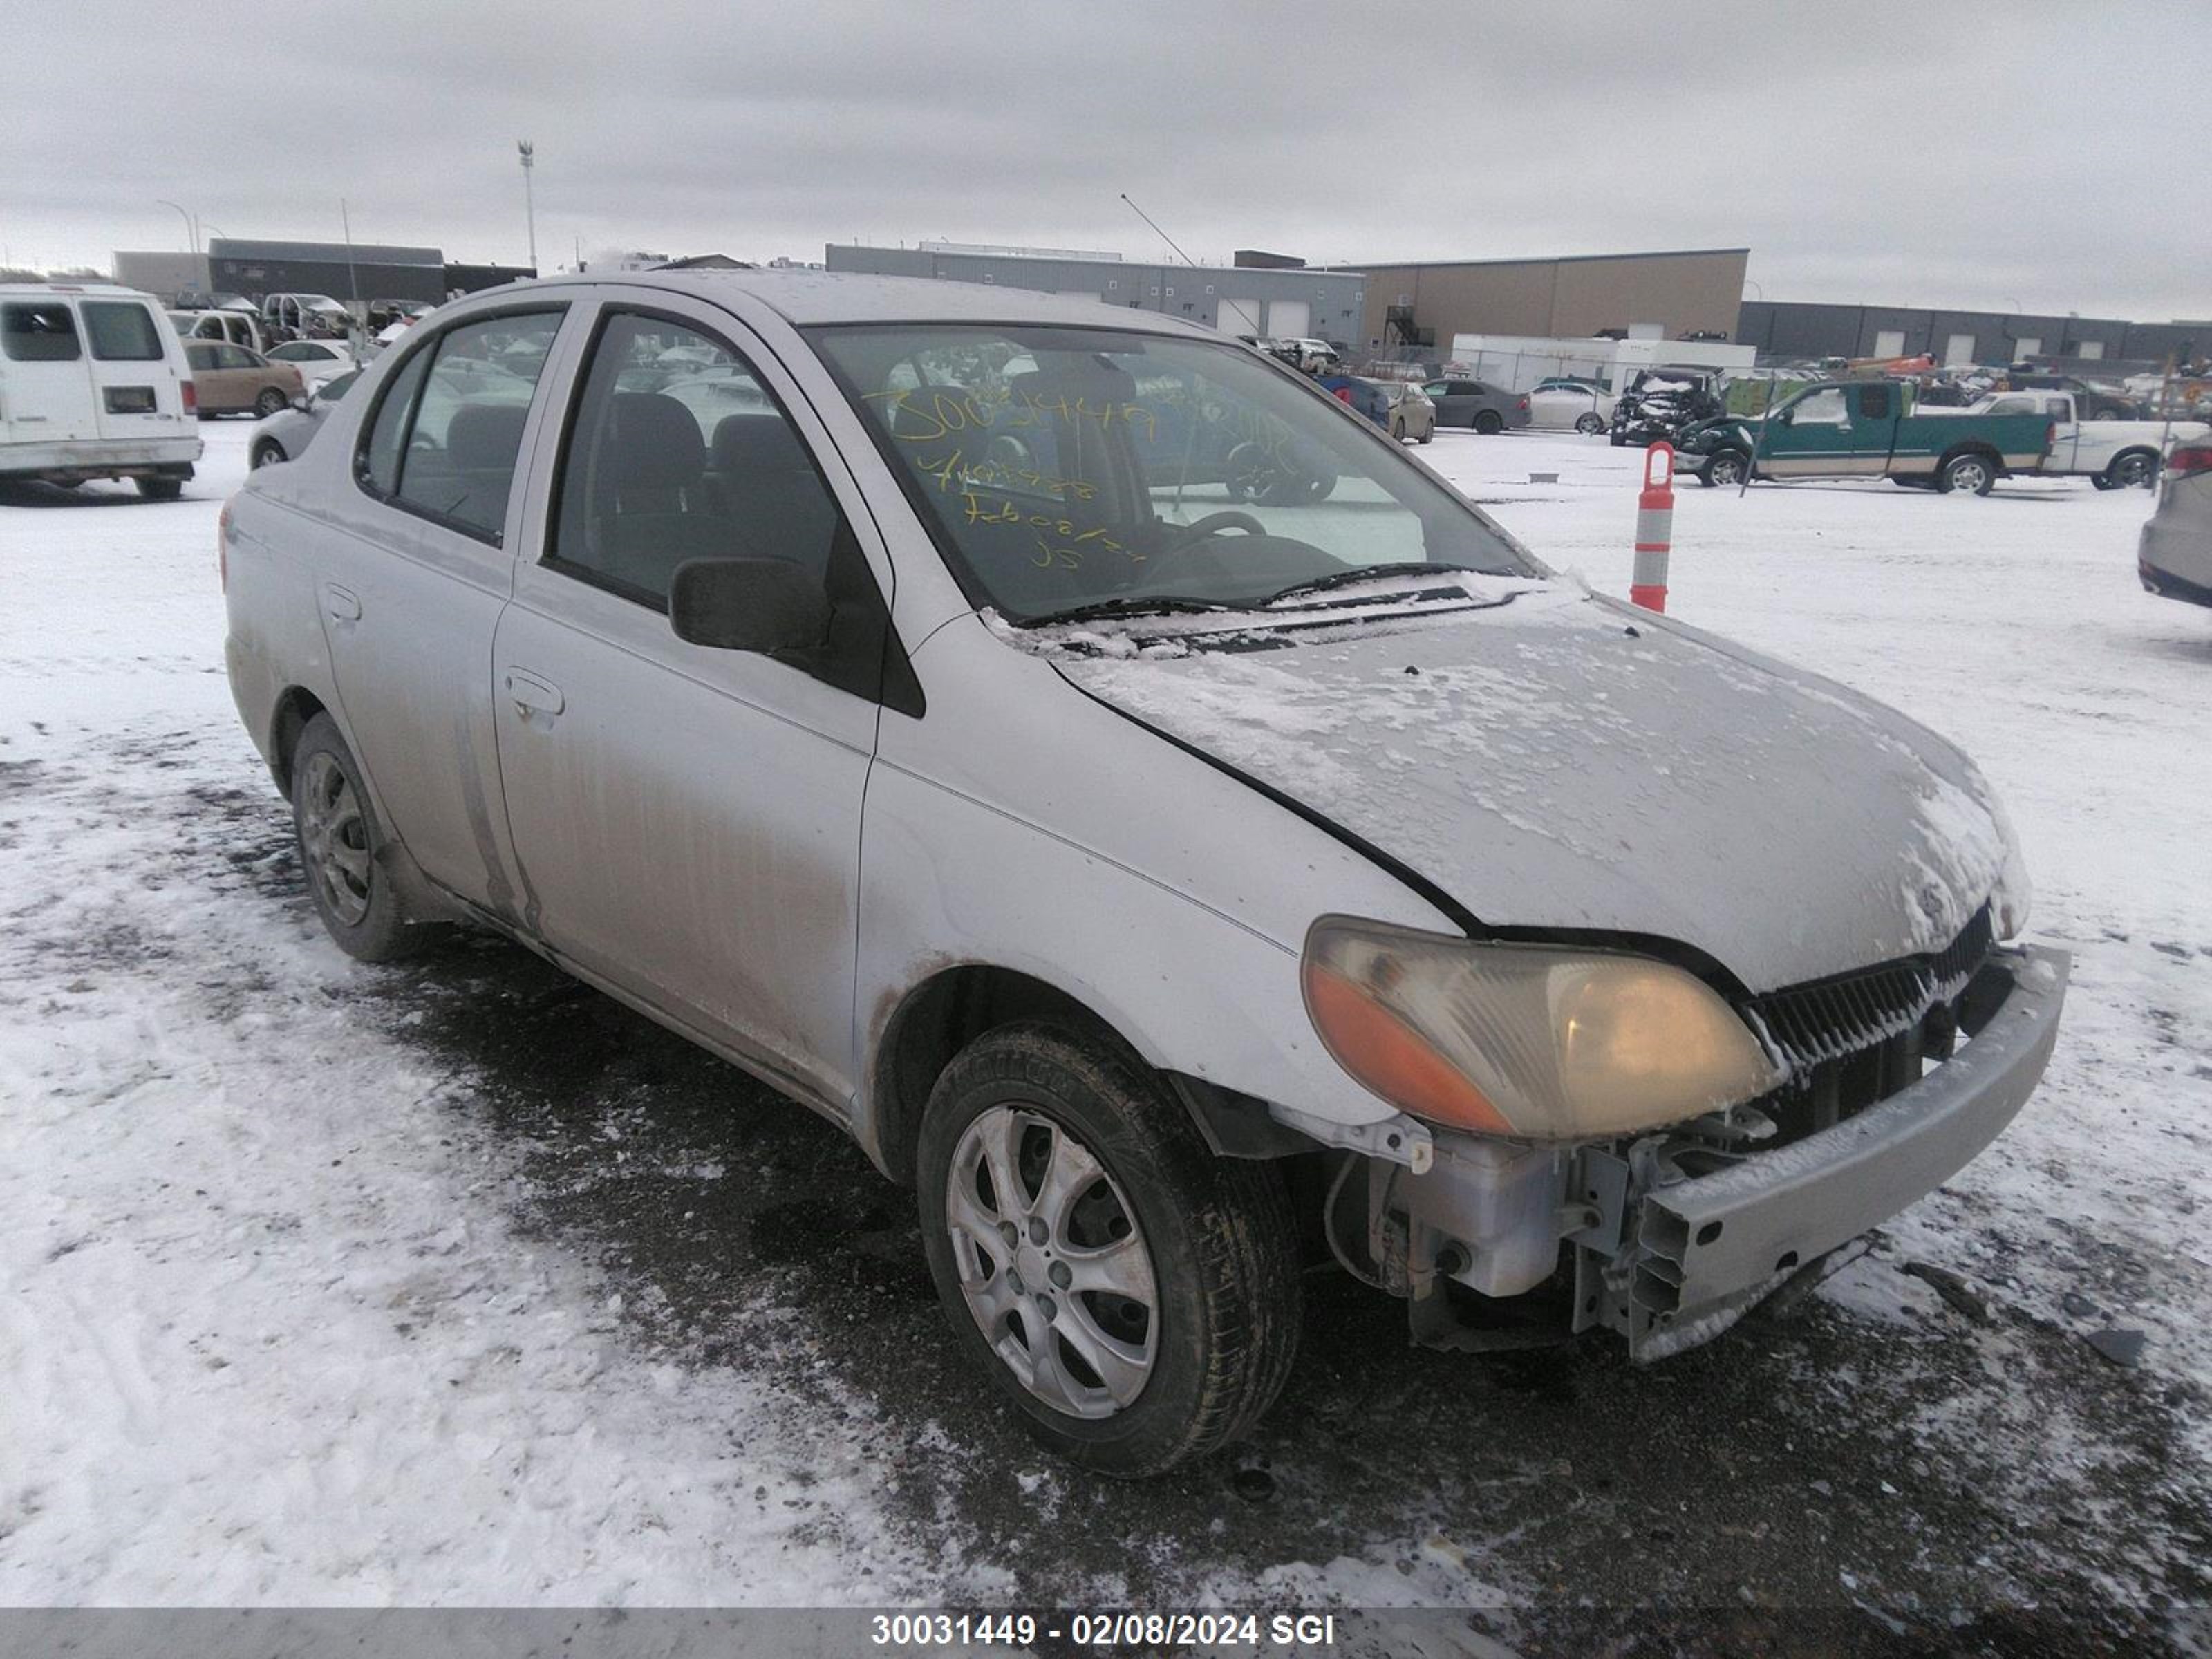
{"x":805,"y":298}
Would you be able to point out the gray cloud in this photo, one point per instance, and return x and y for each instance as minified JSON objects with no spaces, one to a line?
{"x":1866,"y":151}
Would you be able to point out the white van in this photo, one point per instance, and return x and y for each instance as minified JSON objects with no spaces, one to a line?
{"x":94,"y":385}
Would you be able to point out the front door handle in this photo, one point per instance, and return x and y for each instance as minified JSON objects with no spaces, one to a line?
{"x":343,"y":604}
{"x":536,"y":700}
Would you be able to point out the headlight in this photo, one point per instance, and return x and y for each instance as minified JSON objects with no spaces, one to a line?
{"x":1525,"y":1040}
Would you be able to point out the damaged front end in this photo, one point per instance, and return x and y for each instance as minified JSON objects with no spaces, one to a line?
{"x":1894,"y":1079}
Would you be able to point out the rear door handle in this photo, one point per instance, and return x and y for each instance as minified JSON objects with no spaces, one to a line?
{"x":534,"y":696}
{"x":341,"y":604}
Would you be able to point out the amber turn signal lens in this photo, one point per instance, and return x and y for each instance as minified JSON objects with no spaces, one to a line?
{"x":1379,"y":1049}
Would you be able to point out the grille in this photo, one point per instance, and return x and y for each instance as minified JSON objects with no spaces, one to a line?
{"x":1837,"y":1019}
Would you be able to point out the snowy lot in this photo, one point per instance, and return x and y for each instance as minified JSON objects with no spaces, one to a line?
{"x":456,"y":1283}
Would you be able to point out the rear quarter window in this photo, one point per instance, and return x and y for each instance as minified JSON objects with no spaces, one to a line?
{"x":39,"y":331}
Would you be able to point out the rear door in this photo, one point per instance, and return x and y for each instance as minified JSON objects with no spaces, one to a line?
{"x":1875,"y":409}
{"x":411,"y":583}
{"x":134,"y":384}
{"x":687,"y":819}
{"x":46,"y":395}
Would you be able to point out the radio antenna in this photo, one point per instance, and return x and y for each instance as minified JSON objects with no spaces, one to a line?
{"x":1162,"y":235}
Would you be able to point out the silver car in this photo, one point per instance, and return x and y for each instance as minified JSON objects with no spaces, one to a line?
{"x":2175,"y":558}
{"x":1163,"y":823}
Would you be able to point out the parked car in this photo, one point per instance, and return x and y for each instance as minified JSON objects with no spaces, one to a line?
{"x":231,"y":380}
{"x":305,"y":316}
{"x":1865,"y":429}
{"x":1567,"y":404}
{"x":1661,"y":402}
{"x":2112,"y":454}
{"x":2175,"y":556}
{"x":92,"y":386}
{"x":945,"y":784}
{"x":1315,"y":356}
{"x":1477,"y":404}
{"x":1410,"y":416}
{"x":2096,"y":403}
{"x":239,"y":327}
{"x":284,"y":436}
{"x":318,"y":361}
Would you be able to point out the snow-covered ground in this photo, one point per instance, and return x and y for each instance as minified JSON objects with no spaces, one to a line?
{"x":326,"y":1284}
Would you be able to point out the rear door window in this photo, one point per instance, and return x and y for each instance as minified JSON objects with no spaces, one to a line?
{"x":448,"y":431}
{"x":122,"y":332}
{"x":39,"y":331}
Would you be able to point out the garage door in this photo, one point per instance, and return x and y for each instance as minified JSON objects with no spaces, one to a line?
{"x":1240,"y":316}
{"x":1957,"y":349}
{"x":1289,"y":320}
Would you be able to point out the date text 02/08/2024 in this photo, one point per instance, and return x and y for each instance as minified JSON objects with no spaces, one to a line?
{"x":1151,"y":1631}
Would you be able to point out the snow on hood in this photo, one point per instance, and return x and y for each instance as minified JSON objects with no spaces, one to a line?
{"x":1554,"y":760}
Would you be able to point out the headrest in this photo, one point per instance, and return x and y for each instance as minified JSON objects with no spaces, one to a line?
{"x":484,"y":437}
{"x":755,"y":443}
{"x":651,"y":443}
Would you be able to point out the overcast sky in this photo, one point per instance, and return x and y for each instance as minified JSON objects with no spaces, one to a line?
{"x":1929,"y":153}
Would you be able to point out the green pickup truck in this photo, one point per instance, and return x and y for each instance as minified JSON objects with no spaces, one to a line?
{"x":1864,"y":429}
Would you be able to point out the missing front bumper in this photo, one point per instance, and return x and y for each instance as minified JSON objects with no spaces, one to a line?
{"x":1699,"y":1252}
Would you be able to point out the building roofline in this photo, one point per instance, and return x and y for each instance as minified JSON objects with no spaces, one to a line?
{"x":1534,"y":259}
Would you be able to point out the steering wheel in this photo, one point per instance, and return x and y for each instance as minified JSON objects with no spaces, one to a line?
{"x":1213,"y":523}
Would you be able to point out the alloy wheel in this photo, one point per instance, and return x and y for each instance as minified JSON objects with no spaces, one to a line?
{"x":1051,"y":1264}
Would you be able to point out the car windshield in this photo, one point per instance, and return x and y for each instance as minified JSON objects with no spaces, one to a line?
{"x":1065,"y":468}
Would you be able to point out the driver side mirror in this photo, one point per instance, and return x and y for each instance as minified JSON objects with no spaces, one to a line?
{"x":1785,"y":416}
{"x":768,"y":605}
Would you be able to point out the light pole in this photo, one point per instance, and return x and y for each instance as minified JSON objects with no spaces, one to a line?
{"x":529,"y":203}
{"x":192,"y":226}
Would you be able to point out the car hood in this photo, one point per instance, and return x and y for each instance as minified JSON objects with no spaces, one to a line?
{"x":1555,"y":760}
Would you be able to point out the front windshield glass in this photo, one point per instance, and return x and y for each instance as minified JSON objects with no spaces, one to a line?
{"x":1065,"y":468}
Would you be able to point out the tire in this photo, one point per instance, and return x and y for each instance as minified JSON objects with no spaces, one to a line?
{"x":267,"y":453}
{"x":160,"y":490}
{"x":1428,"y":437}
{"x":1488,"y":422}
{"x":270,"y":401}
{"x":1397,"y":433}
{"x":1589,"y":424}
{"x":2129,"y":468}
{"x":1978,"y":473}
{"x":1619,"y":439}
{"x":341,"y":844}
{"x":1211,"y":1240}
{"x":1726,"y":469}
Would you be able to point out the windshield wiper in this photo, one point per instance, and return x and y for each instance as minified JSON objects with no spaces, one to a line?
{"x":1367,"y":573}
{"x":1123,"y":605}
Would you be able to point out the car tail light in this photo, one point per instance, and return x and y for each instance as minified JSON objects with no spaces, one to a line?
{"x":223,"y":547}
{"x":191,"y":395}
{"x":1524,"y":404}
{"x":2189,"y":460}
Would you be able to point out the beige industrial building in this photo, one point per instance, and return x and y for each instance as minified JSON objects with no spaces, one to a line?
{"x":1690,"y":292}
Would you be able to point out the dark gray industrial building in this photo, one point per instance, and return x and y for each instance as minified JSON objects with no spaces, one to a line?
{"x":365,"y":271}
{"x":1781,"y":328}
{"x":1287,"y":302}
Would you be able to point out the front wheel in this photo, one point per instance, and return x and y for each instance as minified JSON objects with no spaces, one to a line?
{"x":1135,"y":1296}
{"x":1590,"y":424}
{"x":1397,"y":432}
{"x":1724,"y":470}
{"x":1970,"y":472}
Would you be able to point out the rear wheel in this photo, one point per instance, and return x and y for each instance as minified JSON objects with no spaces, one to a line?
{"x":340,"y":847}
{"x":1977,"y":473}
{"x":270,"y":402}
{"x":1489,"y":422}
{"x":1589,"y":424}
{"x":267,"y":453}
{"x":160,"y":490}
{"x":2126,"y":470}
{"x":1135,"y":1296}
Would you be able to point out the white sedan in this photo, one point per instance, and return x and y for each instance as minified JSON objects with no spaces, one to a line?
{"x":1566,"y":405}
{"x":318,"y":361}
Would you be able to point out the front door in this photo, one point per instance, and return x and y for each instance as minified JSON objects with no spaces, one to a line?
{"x":687,"y":819}
{"x":1810,"y":437}
{"x":46,"y":393}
